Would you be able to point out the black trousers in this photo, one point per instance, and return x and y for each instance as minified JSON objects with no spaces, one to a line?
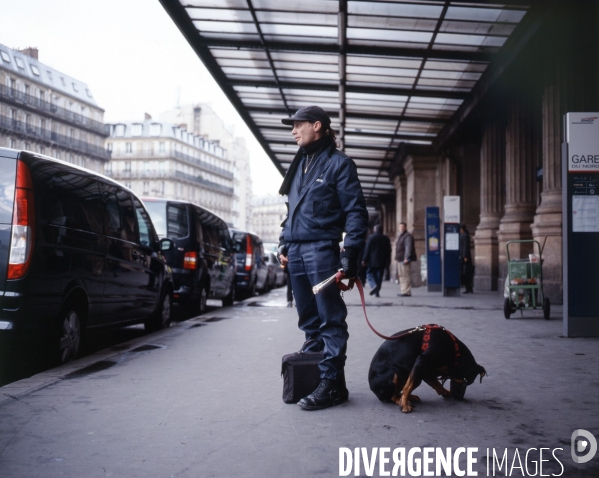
{"x":321,"y":316}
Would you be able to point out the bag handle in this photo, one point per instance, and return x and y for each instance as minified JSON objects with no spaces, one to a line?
{"x":306,"y":343}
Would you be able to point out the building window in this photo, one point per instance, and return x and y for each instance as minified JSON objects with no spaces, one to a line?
{"x":13,"y":143}
{"x":75,"y":86}
{"x":162,"y":147}
{"x":5,"y":56}
{"x":109,"y":146}
{"x":119,"y":130}
{"x":35,"y":70}
{"x":162,"y":187}
{"x":128,"y":147}
{"x":127,"y":166}
{"x":136,"y":129}
{"x":146,"y":188}
{"x":155,"y":129}
{"x":20,"y":62}
{"x":26,"y":89}
{"x":42,"y":150}
{"x":128,"y":184}
{"x":108,"y":168}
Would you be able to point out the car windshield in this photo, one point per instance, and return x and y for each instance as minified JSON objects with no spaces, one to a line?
{"x":170,"y":220}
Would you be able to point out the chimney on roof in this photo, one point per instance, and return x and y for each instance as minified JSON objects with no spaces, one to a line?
{"x":147,"y":116}
{"x":30,"y":51}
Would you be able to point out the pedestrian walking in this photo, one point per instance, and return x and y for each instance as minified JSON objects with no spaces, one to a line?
{"x":377,"y":257}
{"x":405,"y":254}
{"x":466,"y":265}
{"x":325,"y":199}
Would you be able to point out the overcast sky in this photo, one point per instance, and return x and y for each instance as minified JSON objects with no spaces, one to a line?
{"x":132,"y":57}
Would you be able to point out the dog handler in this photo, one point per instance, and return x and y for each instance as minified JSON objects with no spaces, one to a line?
{"x":325,"y":200}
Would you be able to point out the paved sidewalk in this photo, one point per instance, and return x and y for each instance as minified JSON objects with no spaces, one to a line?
{"x":203,"y":398}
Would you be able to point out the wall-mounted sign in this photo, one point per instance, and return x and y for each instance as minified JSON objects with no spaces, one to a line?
{"x":582,"y":131}
{"x":451,"y":209}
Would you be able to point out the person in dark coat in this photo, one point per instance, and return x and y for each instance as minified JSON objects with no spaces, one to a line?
{"x":377,"y":257}
{"x":325,"y":200}
{"x":467,"y":267}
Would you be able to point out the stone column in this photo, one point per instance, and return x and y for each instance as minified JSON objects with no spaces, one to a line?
{"x":492,"y":200}
{"x":547,"y":227}
{"x":522,"y":158}
{"x":421,"y":178}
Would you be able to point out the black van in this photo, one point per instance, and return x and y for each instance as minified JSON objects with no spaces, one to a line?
{"x":203,"y":260}
{"x":252,"y":269}
{"x":77,"y":251}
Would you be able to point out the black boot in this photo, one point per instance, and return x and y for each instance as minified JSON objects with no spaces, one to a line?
{"x":328,"y":394}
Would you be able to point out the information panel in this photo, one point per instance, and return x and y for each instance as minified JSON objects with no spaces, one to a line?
{"x":580,"y":178}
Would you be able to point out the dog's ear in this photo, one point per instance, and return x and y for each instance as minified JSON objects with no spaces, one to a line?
{"x":482,"y":372}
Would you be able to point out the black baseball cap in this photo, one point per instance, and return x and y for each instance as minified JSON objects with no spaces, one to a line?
{"x":309,"y":113}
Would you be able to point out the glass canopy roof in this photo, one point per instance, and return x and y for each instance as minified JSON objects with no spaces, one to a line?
{"x":387,"y":72}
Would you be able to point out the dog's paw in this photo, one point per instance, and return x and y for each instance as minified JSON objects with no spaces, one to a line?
{"x":445,"y":393}
{"x":414,"y":398}
{"x":407,"y":408}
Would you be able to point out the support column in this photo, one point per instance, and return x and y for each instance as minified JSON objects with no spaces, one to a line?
{"x":547,"y":227}
{"x":492,"y":200}
{"x":421,"y":178}
{"x":522,"y":158}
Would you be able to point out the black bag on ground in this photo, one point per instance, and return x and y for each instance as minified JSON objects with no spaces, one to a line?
{"x":301,"y":374}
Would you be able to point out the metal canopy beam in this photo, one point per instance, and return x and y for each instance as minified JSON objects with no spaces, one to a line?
{"x":370,"y":50}
{"x":372,"y":90}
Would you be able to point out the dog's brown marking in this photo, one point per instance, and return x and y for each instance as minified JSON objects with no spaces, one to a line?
{"x":437,"y":387}
{"x":406,"y":393}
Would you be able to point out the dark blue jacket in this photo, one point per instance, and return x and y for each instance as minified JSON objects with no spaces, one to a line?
{"x":326,"y":201}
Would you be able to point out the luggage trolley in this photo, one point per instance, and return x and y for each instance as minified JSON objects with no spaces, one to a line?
{"x":524,"y":284}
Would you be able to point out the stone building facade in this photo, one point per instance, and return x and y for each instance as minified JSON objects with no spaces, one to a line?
{"x":45,"y":111}
{"x":268,"y":212}
{"x":203,"y":120}
{"x":502,"y":156}
{"x":155,"y":158}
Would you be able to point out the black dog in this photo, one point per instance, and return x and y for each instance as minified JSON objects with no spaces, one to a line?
{"x":425,"y":353}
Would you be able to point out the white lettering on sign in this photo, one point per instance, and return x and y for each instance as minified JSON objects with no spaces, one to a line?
{"x":582,"y":133}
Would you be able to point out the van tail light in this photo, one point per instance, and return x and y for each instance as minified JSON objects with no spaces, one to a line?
{"x":248,"y":253}
{"x":190,"y":260}
{"x":23,"y":217}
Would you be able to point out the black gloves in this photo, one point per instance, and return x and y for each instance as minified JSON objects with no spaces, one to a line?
{"x":349,"y":262}
{"x":282,"y":250}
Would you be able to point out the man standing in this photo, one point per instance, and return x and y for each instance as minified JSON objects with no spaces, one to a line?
{"x":467,"y":268}
{"x":325,"y":199}
{"x":404,"y":255}
{"x":377,"y":256}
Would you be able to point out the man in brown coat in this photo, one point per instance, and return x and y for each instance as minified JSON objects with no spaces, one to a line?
{"x":404,"y":255}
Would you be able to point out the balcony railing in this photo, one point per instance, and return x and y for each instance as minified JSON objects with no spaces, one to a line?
{"x":52,"y":138}
{"x":153,"y":174}
{"x":18,"y":98}
{"x":205,"y":165}
{"x":185,"y":157}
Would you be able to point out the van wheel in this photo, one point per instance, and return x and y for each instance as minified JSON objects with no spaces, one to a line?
{"x":70,"y":335}
{"x":202,"y":301}
{"x":230,"y":297}
{"x":161,"y":318}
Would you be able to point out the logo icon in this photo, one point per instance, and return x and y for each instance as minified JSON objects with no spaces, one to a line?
{"x":590,"y":119}
{"x":583,"y":441}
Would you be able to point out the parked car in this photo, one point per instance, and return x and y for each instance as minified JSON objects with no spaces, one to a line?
{"x":275,"y":270}
{"x":203,"y":260}
{"x":78,"y":251}
{"x":252,"y":271}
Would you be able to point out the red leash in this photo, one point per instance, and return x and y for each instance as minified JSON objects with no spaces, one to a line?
{"x":350,"y":286}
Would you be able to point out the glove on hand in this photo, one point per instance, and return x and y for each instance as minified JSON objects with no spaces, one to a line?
{"x":349,"y":262}
{"x":282,"y":250}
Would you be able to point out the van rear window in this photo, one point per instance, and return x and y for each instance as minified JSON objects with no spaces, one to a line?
{"x":170,"y":220}
{"x":7,"y":189}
